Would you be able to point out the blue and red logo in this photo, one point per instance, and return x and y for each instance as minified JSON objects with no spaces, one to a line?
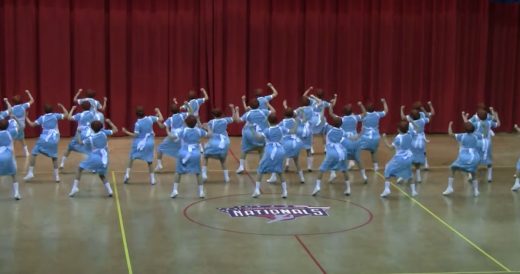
{"x":276,"y":213}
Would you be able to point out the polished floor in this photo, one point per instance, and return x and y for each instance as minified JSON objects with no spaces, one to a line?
{"x":143,"y":230}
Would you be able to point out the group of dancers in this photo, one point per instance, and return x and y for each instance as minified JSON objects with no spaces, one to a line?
{"x":277,"y":141}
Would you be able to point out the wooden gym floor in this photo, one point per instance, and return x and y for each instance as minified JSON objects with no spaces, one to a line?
{"x":142,"y":230}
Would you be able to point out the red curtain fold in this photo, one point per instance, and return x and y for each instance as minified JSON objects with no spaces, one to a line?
{"x":454,"y":53}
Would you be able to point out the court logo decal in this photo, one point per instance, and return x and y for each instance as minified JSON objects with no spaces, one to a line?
{"x":275,"y":213}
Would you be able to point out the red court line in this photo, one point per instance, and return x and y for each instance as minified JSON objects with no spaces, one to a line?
{"x":296,"y":236}
{"x":245,"y":171}
{"x":310,"y":254}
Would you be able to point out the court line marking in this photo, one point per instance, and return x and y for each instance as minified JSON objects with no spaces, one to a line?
{"x":122,"y":226}
{"x":310,"y":254}
{"x":449,"y":227}
{"x":458,"y":272}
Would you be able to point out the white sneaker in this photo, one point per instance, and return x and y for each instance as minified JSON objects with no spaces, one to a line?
{"x":515,"y":187}
{"x":126,"y":179}
{"x":347,"y":191}
{"x":284,"y":194}
{"x":28,"y":177}
{"x":414,"y":193}
{"x":256,"y":193}
{"x":17,"y":196}
{"x":332,"y":176}
{"x":158,"y":167}
{"x":448,"y":191}
{"x":399,"y":180}
{"x":316,"y":190}
{"x":204,"y":176}
{"x":385,"y":193}
{"x":202,"y":194}
{"x":73,"y":191}
{"x":57,"y":179}
{"x":365,"y":180}
{"x":240,"y":170}
{"x":174,"y":194}
{"x":272,"y":179}
{"x":476,"y":193}
{"x":312,"y":150}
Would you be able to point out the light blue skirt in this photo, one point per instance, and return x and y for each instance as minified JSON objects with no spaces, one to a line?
{"x":272,"y":159}
{"x":399,"y":167}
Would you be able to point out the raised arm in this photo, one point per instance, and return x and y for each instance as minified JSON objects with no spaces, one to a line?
{"x":63,"y":110}
{"x":495,"y":116}
{"x":160,"y":118}
{"x":31,"y":99}
{"x":275,"y":92}
{"x":271,"y":108}
{"x":450,"y":130}
{"x":71,"y":112}
{"x":188,"y":107}
{"x":9,"y":107}
{"x":385,"y":105}
{"x":76,"y":97}
{"x":465,"y":116}
{"x":284,"y":103}
{"x":104,"y":106}
{"x":331,"y":111}
{"x":363,"y":109}
{"x":432,"y":110}
{"x":403,"y":116}
{"x":125,"y":131}
{"x":112,"y":126}
{"x":234,"y":112}
{"x":206,"y":97}
{"x":175,"y":100}
{"x":29,"y":122}
{"x":244,"y":104}
{"x":307,"y":91}
{"x":387,"y":144}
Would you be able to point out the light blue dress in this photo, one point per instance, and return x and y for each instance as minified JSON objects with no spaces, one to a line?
{"x":7,"y":161}
{"x":290,"y":142}
{"x":97,"y":159}
{"x":83,"y":131}
{"x":143,"y":143}
{"x":19,"y":112}
{"x":218,"y":143}
{"x":318,"y":121}
{"x":304,"y":131}
{"x":335,"y":153}
{"x":95,"y":107}
{"x":255,"y":120}
{"x":274,"y":153}
{"x":469,"y":152}
{"x":370,"y":130}
{"x":3,"y":114}
{"x":188,"y":158}
{"x":195,"y":105}
{"x":418,"y":140}
{"x":400,"y":166}
{"x":263,"y":100}
{"x":484,"y":131}
{"x":170,"y":146}
{"x":47,"y":144}
{"x":349,"y":126}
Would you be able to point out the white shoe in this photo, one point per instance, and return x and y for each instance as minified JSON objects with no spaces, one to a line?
{"x":158,"y":167}
{"x":17,"y":196}
{"x":174,"y":194}
{"x":399,"y":180}
{"x":126,"y":179}
{"x":347,"y":191}
{"x":316,"y":190}
{"x":515,"y":187}
{"x":312,"y":150}
{"x":414,"y":193}
{"x":476,"y":193}
{"x":57,"y":179}
{"x":240,"y":170}
{"x":256,"y":193}
{"x":204,"y":176}
{"x":448,"y":191}
{"x":272,"y":179}
{"x":73,"y":191}
{"x":332,"y":176}
{"x":28,"y":177}
{"x":202,"y":194}
{"x":385,"y":193}
{"x":284,"y":194}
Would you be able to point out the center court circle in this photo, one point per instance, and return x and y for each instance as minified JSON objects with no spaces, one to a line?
{"x":342,"y":216}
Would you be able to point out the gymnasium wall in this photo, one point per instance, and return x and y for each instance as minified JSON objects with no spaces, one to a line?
{"x":455,"y":53}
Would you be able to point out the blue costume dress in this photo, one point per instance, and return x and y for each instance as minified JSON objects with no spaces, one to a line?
{"x":290,"y":142}
{"x":195,"y":105}
{"x":7,"y":161}
{"x":188,"y":158}
{"x":218,"y":145}
{"x":169,"y":146}
{"x":370,"y":130}
{"x":304,"y":131}
{"x":19,"y":114}
{"x":95,"y":107}
{"x":274,"y":153}
{"x":47,"y":144}
{"x":484,"y":131}
{"x":143,"y":143}
{"x":83,"y":131}
{"x":400,"y":165}
{"x":263,"y":100}
{"x":335,"y":153}
{"x":418,"y":140}
{"x":318,"y":121}
{"x":349,"y":126}
{"x":97,"y":159}
{"x":256,"y":120}
{"x":469,"y":152}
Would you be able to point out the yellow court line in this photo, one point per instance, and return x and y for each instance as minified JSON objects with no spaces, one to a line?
{"x":122,"y":226}
{"x":450,"y":227}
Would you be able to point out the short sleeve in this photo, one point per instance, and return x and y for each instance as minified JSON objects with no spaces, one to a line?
{"x":59,"y":116}
{"x":326,"y":104}
{"x":39,"y":121}
{"x":493,"y":124}
{"x":26,"y":106}
{"x":268,"y":97}
{"x":3,"y":114}
{"x":80,"y":101}
{"x":244,"y":116}
{"x":228,"y":120}
{"x":397,"y":142}
{"x":76,"y":117}
{"x":154,"y":119}
{"x":168,"y":122}
{"x":202,"y":132}
{"x":313,"y":101}
{"x":98,"y":105}
{"x":200,"y":101}
{"x":458,"y":137}
{"x":425,"y":120}
{"x":381,"y":114}
{"x":137,"y":128}
{"x":108,"y":132}
{"x":265,"y":112}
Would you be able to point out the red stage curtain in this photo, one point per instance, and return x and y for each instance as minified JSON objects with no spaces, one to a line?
{"x":455,"y":53}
